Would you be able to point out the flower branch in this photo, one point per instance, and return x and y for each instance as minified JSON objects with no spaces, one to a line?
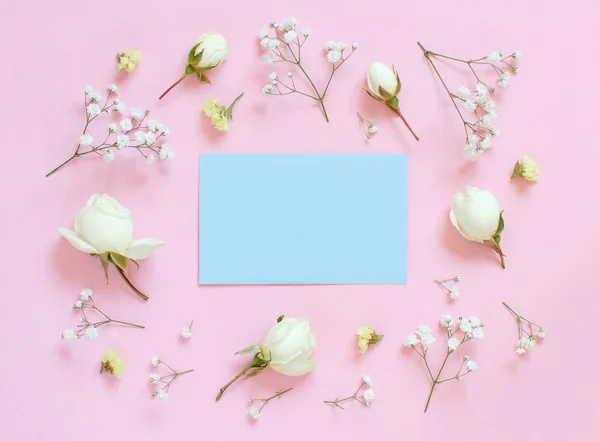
{"x":528,"y":331}
{"x":366,"y":399}
{"x":255,"y":411}
{"x":164,"y":381}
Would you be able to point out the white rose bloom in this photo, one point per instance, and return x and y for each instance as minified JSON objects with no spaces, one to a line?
{"x":475,"y":214}
{"x":211,"y":50}
{"x":104,"y":225}
{"x":383,"y":82}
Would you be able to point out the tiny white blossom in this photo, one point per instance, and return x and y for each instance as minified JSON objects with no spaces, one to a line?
{"x":495,"y":132}
{"x":273,"y":76}
{"x":126,"y":124}
{"x":463,"y":93}
{"x":423,"y":329}
{"x":465,"y":326}
{"x":88,"y":90}
{"x":140,"y":137}
{"x":373,"y":128}
{"x":162,"y":395}
{"x":254,"y":412}
{"x":486,"y":143}
{"x":334,"y":56}
{"x":411,"y":340}
{"x":153,"y":125}
{"x":341,"y":46}
{"x":481,"y":89}
{"x":289,"y":74}
{"x":477,"y":333}
{"x":290,"y":36}
{"x":155,"y":360}
{"x":69,"y":335}
{"x":520,"y":350}
{"x":113,"y":88}
{"x":262,"y":34}
{"x":93,"y":109}
{"x":163,"y":130}
{"x":470,"y":105}
{"x":150,"y":158}
{"x":541,"y":333}
{"x":165,"y":152}
{"x":306,"y":32}
{"x":446,"y":321}
{"x":489,"y":106}
{"x":267,"y":89}
{"x":150,"y":138}
{"x":427,"y":340}
{"x":486,"y":121}
{"x":367,"y":380}
{"x":268,"y":59}
{"x":108,"y":155}
{"x":453,"y":292}
{"x":354,"y":46}
{"x":91,"y":333}
{"x":112,"y":128}
{"x":494,"y":58}
{"x":473,"y":139}
{"x":472,"y":366}
{"x":330,"y":45}
{"x":453,"y":344}
{"x":86,"y":139}
{"x":136,"y":113}
{"x":368,"y":396}
{"x":186,"y":332}
{"x":122,"y":141}
{"x":474,"y":321}
{"x":78,"y":304}
{"x":85,"y":294}
{"x":289,"y":24}
{"x":154,"y":378}
{"x":473,"y":155}
{"x":516,"y":55}
{"x":120,"y":107}
{"x":96,"y":97}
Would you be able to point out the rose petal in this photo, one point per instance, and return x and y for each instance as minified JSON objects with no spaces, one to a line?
{"x":76,"y":241}
{"x":294,"y":368}
{"x":142,"y":248}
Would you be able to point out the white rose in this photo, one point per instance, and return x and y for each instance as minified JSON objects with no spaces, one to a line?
{"x":210,"y":50}
{"x":103,"y":226}
{"x":477,"y":216}
{"x":383,"y":82}
{"x":287,"y":347}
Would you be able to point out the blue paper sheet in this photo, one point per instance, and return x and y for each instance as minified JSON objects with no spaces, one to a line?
{"x":303,"y":219}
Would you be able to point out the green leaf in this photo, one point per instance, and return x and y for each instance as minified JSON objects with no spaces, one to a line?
{"x":194,"y":59}
{"x":258,"y":361}
{"x":189,"y":69}
{"x":497,"y":239}
{"x":104,"y":262}
{"x":280,"y":318}
{"x":379,"y":337}
{"x":248,"y":350}
{"x":255,"y":372}
{"x":203,"y":78}
{"x":372,"y":95}
{"x":517,"y":170}
{"x":118,"y":260}
{"x":392,"y":102}
{"x":500,"y":224}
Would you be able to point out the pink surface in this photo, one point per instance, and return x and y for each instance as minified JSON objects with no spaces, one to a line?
{"x":51,"y":388}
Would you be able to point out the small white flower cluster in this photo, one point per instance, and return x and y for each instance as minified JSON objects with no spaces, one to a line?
{"x":422,"y":336}
{"x":368,"y":395}
{"x":87,"y":328}
{"x":186,"y":331}
{"x":254,"y":411}
{"x":165,"y":380}
{"x":451,"y":289}
{"x":368,"y":127}
{"x":529,"y":332}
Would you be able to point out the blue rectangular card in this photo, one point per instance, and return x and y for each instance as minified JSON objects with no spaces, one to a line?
{"x":303,"y":219}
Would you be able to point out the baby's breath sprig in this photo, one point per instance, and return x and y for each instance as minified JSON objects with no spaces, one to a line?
{"x":164,"y":381}
{"x":145,"y":139}
{"x":367,"y":397}
{"x":89,"y":328}
{"x":452,"y":290}
{"x":421,"y":340}
{"x":479,"y":133}
{"x":255,"y":411}
{"x":284,"y":46}
{"x":528,"y":332}
{"x":368,"y":127}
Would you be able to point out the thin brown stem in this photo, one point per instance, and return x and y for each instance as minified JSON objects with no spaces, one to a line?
{"x":406,"y":123}
{"x":131,"y":285}
{"x":233,"y":380}
{"x":173,"y":85}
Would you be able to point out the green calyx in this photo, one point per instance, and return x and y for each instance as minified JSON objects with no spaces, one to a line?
{"x":517,"y":170}
{"x":120,"y":262}
{"x":392,"y":102}
{"x":494,"y":242}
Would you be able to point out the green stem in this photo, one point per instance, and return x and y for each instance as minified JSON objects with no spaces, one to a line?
{"x":131,"y":285}
{"x":233,"y":380}
{"x":173,"y":85}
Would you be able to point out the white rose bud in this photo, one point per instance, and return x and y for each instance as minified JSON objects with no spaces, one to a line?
{"x":384,"y":85}
{"x":477,"y":216}
{"x":207,"y":53}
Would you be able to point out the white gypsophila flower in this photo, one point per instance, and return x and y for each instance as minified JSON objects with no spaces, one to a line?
{"x":273,"y":76}
{"x":108,"y":155}
{"x":474,"y":321}
{"x":446,"y":321}
{"x":289,"y":74}
{"x":463,"y":92}
{"x":477,"y":333}
{"x":369,"y":396}
{"x":516,"y":55}
{"x":154,"y":378}
{"x":289,"y":24}
{"x":427,"y":340}
{"x":88,"y":90}
{"x":163,"y":130}
{"x":85,"y":294}
{"x":140,"y":137}
{"x":330,"y":45}
{"x":520,"y":350}
{"x":122,"y":141}
{"x":472,"y":366}
{"x":165,"y":152}
{"x":268,"y":59}
{"x":162,"y":395}
{"x":93,"y":109}
{"x":136,"y":113}
{"x":113,"y":88}
{"x":411,"y":340}
{"x":153,"y":125}
{"x":69,"y":335}
{"x":373,"y":128}
{"x":155,"y":360}
{"x":486,"y":121}
{"x":150,"y":138}
{"x":494,"y":58}
{"x":495,"y":133}
{"x":91,"y":333}
{"x":453,"y":344}
{"x":367,"y":380}
{"x":95,"y":96}
{"x":269,"y":43}
{"x":473,"y":139}
{"x":254,"y":412}
{"x":86,"y":139}
{"x":112,"y":128}
{"x":354,"y":46}
{"x":504,"y":82}
{"x":470,"y":105}
{"x":493,"y":114}
{"x":453,"y":293}
{"x":486,"y":143}
{"x":186,"y":332}
{"x":262,"y":34}
{"x":78,"y":304}
{"x":334,"y":56}
{"x":267,"y":89}
{"x":473,"y":155}
{"x":150,"y":158}
{"x":306,"y":32}
{"x":481,"y":89}
{"x":126,"y":125}
{"x":525,"y":343}
{"x":541,"y":333}
{"x":290,"y":36}
{"x":465,"y":326}
{"x":423,"y":329}
{"x":341,"y":46}
{"x":120,"y":107}
{"x":489,"y":106}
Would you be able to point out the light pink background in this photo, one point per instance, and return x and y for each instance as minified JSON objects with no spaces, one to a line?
{"x":51,"y":50}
